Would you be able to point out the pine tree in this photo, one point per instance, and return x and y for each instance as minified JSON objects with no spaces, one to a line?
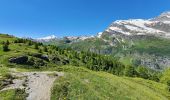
{"x":29,"y":43}
{"x":5,"y":47}
{"x":36,"y":46}
{"x":143,"y":72}
{"x":45,"y":49}
{"x":40,"y":51}
{"x":129,"y":71}
{"x":7,"y":42}
{"x":168,"y":82}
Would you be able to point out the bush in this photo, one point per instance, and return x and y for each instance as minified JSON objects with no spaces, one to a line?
{"x":36,"y":46}
{"x":168,"y":82}
{"x":30,"y":43}
{"x":143,"y":72}
{"x":38,"y":63}
{"x":130,"y":71}
{"x":31,"y":61}
{"x":45,"y":49}
{"x":61,"y":91}
{"x":20,"y":94}
{"x":7,"y":42}
{"x":39,"y":51}
{"x":5,"y":47}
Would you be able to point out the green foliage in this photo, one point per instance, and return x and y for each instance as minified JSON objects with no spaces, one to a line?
{"x":17,"y":94}
{"x":143,"y":72}
{"x":62,"y":90}
{"x":130,"y":71}
{"x":36,"y":46}
{"x":153,"y":45}
{"x":78,"y":82}
{"x":36,"y":62}
{"x":45,"y":49}
{"x":59,"y":56}
{"x":89,"y":85}
{"x":30,"y":43}
{"x":67,"y":56}
{"x":39,"y":51}
{"x":5,"y":47}
{"x":165,"y":78}
{"x":168,"y":82}
{"x":7,"y":42}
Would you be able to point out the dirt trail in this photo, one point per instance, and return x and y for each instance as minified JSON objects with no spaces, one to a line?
{"x":37,"y":84}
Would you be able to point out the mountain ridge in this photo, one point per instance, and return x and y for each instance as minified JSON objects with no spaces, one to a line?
{"x":150,"y":26}
{"x":145,"y":41}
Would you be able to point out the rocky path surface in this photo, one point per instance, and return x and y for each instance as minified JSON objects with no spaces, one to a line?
{"x":37,"y":84}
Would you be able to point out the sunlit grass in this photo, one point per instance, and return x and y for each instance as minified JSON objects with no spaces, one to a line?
{"x":89,"y":85}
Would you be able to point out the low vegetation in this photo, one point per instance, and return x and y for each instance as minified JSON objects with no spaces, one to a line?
{"x":17,"y":94}
{"x":87,"y":75}
{"x":89,"y":85}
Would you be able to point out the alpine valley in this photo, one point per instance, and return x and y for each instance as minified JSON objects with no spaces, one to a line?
{"x":130,"y":60}
{"x":140,"y":42}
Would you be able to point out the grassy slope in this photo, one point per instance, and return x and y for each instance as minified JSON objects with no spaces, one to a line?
{"x":15,"y":49}
{"x":155,"y":46}
{"x":13,"y":95}
{"x":80,"y":83}
{"x":89,"y":85}
{"x":166,"y":76}
{"x":85,"y":45}
{"x":147,"y":47}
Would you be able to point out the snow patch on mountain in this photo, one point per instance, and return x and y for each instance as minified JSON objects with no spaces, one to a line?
{"x":135,"y":27}
{"x":78,"y":37}
{"x":46,"y":39}
{"x":99,"y":34}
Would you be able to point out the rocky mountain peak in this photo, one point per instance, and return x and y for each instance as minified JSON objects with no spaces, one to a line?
{"x":159,"y":26}
{"x":165,"y":16}
{"x":47,"y":38}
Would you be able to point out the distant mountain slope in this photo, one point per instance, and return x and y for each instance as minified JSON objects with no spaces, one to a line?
{"x":146,"y":42}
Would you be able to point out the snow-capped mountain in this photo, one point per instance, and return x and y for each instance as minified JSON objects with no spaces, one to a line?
{"x":99,"y":34}
{"x":159,"y":26}
{"x":70,"y":38}
{"x":164,"y":17}
{"x":46,"y":39}
{"x":143,"y":42}
{"x":78,"y":37}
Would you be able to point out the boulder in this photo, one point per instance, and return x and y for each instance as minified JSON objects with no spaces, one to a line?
{"x":19,"y":60}
{"x":66,"y":61}
{"x":45,"y":57}
{"x":38,"y":55}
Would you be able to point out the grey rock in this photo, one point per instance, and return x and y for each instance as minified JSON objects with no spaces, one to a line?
{"x":19,"y":60}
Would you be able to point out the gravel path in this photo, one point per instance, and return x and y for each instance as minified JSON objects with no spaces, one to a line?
{"x":37,"y":84}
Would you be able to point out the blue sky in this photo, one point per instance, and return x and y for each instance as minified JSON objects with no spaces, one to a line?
{"x":39,"y":18}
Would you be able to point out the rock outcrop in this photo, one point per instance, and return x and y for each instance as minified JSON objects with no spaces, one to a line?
{"x":19,"y":60}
